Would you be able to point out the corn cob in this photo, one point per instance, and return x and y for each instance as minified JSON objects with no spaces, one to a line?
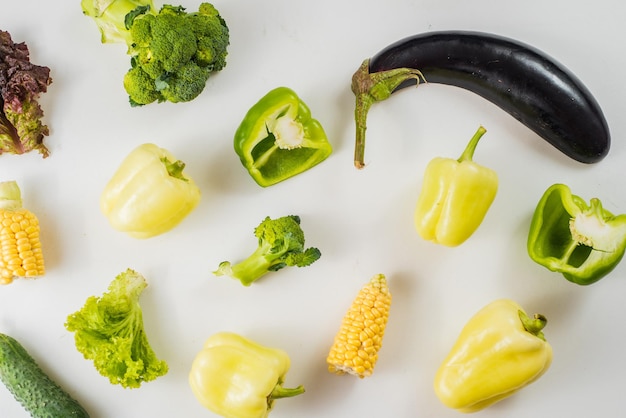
{"x":20,"y":247}
{"x":356,"y":345}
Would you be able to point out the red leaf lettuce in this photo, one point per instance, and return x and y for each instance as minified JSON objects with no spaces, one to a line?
{"x":21,"y":83}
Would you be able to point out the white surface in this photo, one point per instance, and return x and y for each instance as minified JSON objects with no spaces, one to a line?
{"x":360,"y":220}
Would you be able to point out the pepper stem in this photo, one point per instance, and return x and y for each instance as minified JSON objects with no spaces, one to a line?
{"x":468,"y":153}
{"x":534,"y":325}
{"x":281,"y":392}
{"x":174,"y":169}
{"x":369,"y":88}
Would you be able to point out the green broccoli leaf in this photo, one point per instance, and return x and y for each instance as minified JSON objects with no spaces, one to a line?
{"x":303,"y":259}
{"x":110,"y":331}
{"x":130,"y":16}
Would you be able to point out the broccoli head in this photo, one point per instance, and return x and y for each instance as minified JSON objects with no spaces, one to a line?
{"x":109,"y":330}
{"x":171,"y":46}
{"x":178,"y":50}
{"x":280,"y":244}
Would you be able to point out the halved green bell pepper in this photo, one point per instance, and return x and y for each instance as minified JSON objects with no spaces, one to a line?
{"x":278,"y":138}
{"x":583,"y":242}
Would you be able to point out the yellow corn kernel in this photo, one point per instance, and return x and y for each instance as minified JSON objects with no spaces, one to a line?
{"x":20,"y":246}
{"x":356,"y":345}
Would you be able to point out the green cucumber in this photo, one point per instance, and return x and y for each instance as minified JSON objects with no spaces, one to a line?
{"x":31,"y":386}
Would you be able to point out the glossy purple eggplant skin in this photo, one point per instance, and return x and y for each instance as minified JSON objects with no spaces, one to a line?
{"x":523,"y":81}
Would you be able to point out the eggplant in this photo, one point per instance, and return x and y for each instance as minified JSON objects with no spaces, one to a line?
{"x":518,"y":78}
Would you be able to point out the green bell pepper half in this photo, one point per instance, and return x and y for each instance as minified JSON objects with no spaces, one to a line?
{"x":278,"y":138}
{"x":584,"y":242}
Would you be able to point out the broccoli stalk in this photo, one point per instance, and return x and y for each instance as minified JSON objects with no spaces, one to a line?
{"x":173,"y":52}
{"x":280,"y":244}
{"x":109,"y":330}
{"x":110,"y":17}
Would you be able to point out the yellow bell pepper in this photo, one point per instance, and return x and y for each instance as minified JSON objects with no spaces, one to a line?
{"x":148,"y":194}
{"x":455,"y":197}
{"x":238,"y":378}
{"x":499,"y":351}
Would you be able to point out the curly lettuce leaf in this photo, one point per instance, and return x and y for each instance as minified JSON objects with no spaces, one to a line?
{"x":110,"y":331}
{"x":21,"y":84}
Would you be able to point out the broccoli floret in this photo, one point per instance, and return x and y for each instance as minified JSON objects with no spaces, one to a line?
{"x":140,"y":31}
{"x":168,"y":38}
{"x":140,"y":87}
{"x":213,"y":37}
{"x":171,"y":46}
{"x":185,"y":84}
{"x":280,"y":244}
{"x":109,"y":330}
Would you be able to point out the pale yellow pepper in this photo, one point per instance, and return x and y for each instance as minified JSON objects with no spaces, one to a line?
{"x":455,"y":197}
{"x":239,"y":378}
{"x":149,"y":194}
{"x":499,"y":351}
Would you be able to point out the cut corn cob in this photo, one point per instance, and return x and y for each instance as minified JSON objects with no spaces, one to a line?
{"x":20,"y":247}
{"x":356,"y":345}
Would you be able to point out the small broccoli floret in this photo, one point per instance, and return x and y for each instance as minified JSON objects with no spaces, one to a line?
{"x":213,"y":37}
{"x":280,"y":244}
{"x":140,"y":87}
{"x":185,"y":84}
{"x":140,"y":31}
{"x":109,"y":330}
{"x":171,"y":46}
{"x":172,"y":39}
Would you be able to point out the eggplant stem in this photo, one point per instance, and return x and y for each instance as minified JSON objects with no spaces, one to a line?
{"x":369,"y":88}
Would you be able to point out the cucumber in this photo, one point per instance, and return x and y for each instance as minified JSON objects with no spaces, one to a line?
{"x":30,"y":385}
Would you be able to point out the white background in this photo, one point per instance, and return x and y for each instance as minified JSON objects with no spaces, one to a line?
{"x":360,"y":220}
